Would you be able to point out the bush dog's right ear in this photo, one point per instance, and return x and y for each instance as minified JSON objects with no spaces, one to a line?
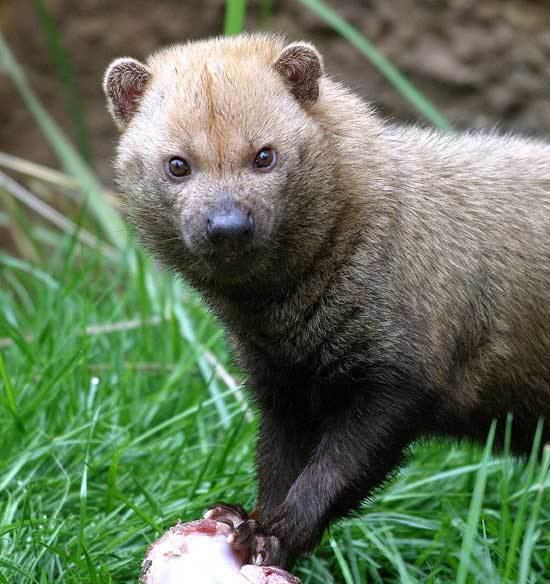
{"x":124,"y":84}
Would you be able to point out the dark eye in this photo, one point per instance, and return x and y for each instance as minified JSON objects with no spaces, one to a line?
{"x":265,"y":159}
{"x":178,"y":167}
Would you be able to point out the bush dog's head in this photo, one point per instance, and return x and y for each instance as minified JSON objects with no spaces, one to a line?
{"x":221,"y":160}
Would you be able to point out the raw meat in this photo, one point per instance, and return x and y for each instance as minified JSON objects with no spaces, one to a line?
{"x":199,"y":553}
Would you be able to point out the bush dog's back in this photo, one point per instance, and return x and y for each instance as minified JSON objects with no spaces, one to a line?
{"x":378,"y":283}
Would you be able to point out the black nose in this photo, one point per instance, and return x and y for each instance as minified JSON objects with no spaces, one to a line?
{"x":230,"y":225}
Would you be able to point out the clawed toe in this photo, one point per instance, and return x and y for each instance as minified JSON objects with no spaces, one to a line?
{"x":232,"y":515}
{"x":247,"y":536}
{"x":264,"y":549}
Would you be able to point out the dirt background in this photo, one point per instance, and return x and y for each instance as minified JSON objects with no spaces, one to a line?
{"x":482,"y":62}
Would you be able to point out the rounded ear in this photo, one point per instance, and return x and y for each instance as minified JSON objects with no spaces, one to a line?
{"x":301,"y":66}
{"x":124,"y":84}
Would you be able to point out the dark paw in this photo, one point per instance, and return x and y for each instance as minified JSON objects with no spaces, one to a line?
{"x":263,"y":549}
{"x":232,"y":515}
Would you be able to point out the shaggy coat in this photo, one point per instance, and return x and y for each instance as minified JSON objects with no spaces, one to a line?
{"x":398,"y":281}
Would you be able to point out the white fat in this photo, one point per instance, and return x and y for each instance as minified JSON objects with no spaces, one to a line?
{"x":188,"y":555}
{"x":200,"y":558}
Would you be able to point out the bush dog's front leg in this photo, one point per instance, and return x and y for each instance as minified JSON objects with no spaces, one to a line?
{"x":283,"y":451}
{"x":359,"y":448}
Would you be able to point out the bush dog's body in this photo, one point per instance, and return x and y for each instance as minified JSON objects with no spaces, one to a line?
{"x":379,"y":284}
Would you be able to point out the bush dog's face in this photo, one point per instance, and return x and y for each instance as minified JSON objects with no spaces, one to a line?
{"x":212,"y":136}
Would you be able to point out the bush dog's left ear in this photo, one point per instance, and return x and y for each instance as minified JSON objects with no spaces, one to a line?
{"x":124,"y":84}
{"x":301,"y":66}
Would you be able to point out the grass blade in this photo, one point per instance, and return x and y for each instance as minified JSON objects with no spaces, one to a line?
{"x":74,"y":164}
{"x":346,"y":572}
{"x":520,"y":518}
{"x":531,"y":535}
{"x":475,"y":510}
{"x":34,"y":170}
{"x":65,"y":74}
{"x":53,"y":216}
{"x":206,"y":369}
{"x":505,"y":522}
{"x":10,"y":394}
{"x":384,"y":66}
{"x":235,"y":13}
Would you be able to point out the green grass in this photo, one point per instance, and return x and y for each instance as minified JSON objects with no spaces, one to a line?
{"x":112,"y":432}
{"x":68,"y":155}
{"x":392,"y":74}
{"x":121,"y":413}
{"x":235,"y":14}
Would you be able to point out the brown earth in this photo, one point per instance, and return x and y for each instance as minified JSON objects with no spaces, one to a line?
{"x":482,"y":62}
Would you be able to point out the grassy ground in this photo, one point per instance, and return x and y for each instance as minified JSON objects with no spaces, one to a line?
{"x":120,"y":414}
{"x":115,"y":425}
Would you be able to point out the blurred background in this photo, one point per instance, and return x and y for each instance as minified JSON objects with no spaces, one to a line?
{"x":120,"y":409}
{"x":481,"y":62}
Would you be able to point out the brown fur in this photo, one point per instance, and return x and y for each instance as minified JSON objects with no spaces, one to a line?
{"x":400,"y":281}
